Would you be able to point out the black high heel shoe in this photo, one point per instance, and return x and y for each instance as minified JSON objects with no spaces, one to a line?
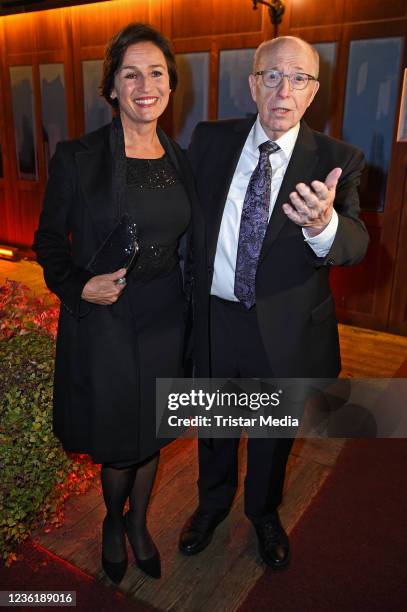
{"x":150,"y":566}
{"x":115,"y":570}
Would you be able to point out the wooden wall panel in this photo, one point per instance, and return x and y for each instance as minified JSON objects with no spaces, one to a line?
{"x":383,"y":227}
{"x":208,"y":17}
{"x":185,"y":24}
{"x":3,"y":141}
{"x":9,"y":230}
{"x":372,"y":10}
{"x":372,"y":294}
{"x":235,"y":17}
{"x":307,"y":13}
{"x":19,"y":33}
{"x":398,"y":310}
{"x":29,"y":40}
{"x":26,"y":216}
{"x":4,"y":226}
{"x":355,"y":293}
{"x":49,"y":30}
{"x":94,"y":24}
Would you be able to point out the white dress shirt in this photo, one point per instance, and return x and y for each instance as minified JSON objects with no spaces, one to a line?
{"x":226,"y":250}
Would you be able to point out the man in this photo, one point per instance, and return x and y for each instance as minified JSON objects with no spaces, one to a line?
{"x":281,"y":208}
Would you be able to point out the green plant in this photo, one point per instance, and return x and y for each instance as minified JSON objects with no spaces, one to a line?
{"x":36,"y":475}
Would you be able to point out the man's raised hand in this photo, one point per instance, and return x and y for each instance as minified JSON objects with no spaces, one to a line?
{"x":312,"y":207}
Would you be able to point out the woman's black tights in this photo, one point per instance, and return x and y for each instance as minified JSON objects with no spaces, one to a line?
{"x":122,"y":481}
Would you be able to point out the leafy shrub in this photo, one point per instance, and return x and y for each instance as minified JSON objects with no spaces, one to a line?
{"x":21,"y":311}
{"x":36,"y":475}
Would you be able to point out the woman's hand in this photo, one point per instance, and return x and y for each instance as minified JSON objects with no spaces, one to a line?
{"x":103,"y":289}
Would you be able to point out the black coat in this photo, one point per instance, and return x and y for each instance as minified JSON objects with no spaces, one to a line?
{"x":95,"y":356}
{"x":294,"y":303}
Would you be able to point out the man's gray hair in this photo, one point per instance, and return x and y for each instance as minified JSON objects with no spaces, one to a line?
{"x":269,"y":44}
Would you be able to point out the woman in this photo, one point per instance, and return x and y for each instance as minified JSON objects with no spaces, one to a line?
{"x":115,"y":338}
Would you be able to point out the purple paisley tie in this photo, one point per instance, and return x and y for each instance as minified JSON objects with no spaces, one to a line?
{"x":253,"y":225}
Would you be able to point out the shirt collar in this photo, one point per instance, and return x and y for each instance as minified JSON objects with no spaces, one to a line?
{"x":286,"y":142}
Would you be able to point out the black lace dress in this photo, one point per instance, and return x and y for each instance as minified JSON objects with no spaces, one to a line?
{"x":157,"y":201}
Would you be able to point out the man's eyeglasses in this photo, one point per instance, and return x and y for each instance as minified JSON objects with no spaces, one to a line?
{"x":273,"y":78}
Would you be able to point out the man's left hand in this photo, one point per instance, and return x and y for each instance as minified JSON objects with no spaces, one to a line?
{"x":312,"y":207}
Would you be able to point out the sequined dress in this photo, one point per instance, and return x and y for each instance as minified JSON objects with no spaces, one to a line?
{"x":159,"y":204}
{"x":157,"y":201}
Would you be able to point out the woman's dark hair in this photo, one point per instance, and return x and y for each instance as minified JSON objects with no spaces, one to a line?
{"x":131,"y":35}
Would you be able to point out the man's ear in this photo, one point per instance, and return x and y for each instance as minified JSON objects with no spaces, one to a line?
{"x":252,"y":85}
{"x":314,"y":93}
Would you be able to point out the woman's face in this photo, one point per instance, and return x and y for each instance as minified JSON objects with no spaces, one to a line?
{"x":142,"y":84}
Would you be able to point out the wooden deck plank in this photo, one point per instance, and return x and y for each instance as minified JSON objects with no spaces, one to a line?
{"x":323,"y":451}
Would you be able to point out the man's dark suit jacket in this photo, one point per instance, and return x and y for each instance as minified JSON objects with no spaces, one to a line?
{"x":294,"y":303}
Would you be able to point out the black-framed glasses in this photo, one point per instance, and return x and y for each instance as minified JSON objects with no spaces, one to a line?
{"x":273,"y":78}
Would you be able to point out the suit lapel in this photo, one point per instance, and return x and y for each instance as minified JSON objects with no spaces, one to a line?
{"x":224,"y":170}
{"x":179,"y":161}
{"x":95,"y":176}
{"x":169,"y":148}
{"x":299,"y":170}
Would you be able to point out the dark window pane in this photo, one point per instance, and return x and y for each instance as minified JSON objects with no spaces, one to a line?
{"x":234,"y":98}
{"x":190,"y":103}
{"x":54,"y":123}
{"x":370,"y":106}
{"x":318,"y":114}
{"x":97,"y":110}
{"x":24,"y":124}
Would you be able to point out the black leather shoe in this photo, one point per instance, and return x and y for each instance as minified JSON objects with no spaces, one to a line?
{"x":150,"y":566}
{"x":274,"y":547}
{"x":198,"y":531}
{"x":115,"y":570}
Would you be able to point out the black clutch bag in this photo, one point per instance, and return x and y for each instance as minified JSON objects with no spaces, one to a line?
{"x":118,"y":250}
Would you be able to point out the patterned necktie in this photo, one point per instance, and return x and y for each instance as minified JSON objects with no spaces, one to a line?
{"x":253,"y":225}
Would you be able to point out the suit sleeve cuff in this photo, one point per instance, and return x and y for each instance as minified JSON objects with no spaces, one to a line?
{"x":322,"y":243}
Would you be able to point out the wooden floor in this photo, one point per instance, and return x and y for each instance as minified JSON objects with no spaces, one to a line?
{"x":220,"y":577}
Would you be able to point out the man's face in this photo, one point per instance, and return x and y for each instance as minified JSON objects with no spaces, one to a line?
{"x":281,"y":107}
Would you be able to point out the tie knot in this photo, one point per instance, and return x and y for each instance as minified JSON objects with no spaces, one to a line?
{"x":268,"y":147}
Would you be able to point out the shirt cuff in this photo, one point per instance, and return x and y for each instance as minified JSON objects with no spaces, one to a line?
{"x":322,"y":243}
